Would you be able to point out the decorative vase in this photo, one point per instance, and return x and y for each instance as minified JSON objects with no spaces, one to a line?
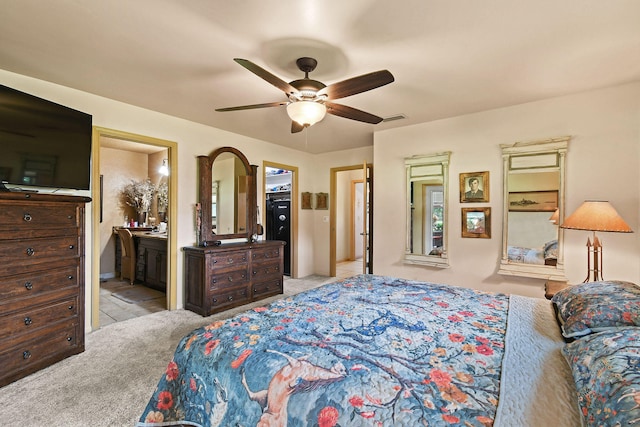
{"x":142,"y":218}
{"x":162,"y":216}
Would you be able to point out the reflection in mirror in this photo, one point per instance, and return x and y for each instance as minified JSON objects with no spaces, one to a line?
{"x":533,"y":195}
{"x":427,"y":197}
{"x":227,"y":202}
{"x":230,"y":186}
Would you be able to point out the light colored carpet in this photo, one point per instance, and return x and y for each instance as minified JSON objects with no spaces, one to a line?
{"x":111,"y":382}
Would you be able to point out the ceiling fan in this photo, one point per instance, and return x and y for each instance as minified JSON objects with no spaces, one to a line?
{"x":309,"y":100}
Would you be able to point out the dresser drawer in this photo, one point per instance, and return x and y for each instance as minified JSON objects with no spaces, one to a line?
{"x":262,"y":254}
{"x":266,"y":270}
{"x":227,"y":260}
{"x":35,"y":285}
{"x":36,"y":249}
{"x":31,"y":216}
{"x":58,"y":342}
{"x":267,"y":288}
{"x":229,"y":298}
{"x":229,"y":279}
{"x":25,"y":321}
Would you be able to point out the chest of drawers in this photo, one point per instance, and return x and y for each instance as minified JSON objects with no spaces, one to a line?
{"x":221,"y":277}
{"x":41,"y":281}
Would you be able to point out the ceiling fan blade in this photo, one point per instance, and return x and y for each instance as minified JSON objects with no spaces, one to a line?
{"x":264,"y":74}
{"x":351,"y":113}
{"x":250,"y":107}
{"x":296,"y":127}
{"x":358,"y":84}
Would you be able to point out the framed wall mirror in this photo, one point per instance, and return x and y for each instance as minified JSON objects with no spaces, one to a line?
{"x":427,"y":209}
{"x":228,"y":203}
{"x":534,"y":194}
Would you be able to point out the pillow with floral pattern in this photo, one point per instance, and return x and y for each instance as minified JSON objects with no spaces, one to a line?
{"x":596,"y":306}
{"x":606,"y":370}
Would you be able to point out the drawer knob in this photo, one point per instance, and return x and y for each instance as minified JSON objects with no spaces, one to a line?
{"x":28,"y":286}
{"x":71,"y":246}
{"x":215,"y":300}
{"x":70,"y":307}
{"x":30,"y":251}
{"x":28,"y":321}
{"x":69,"y":339}
{"x":70,"y":277}
{"x":26,"y":354}
{"x":69,"y":216}
{"x":27,"y":217}
{"x":230,"y":261}
{"x":255,"y":272}
{"x":230,"y":298}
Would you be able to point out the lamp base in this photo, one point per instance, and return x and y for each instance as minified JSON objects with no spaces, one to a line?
{"x":594,"y":250}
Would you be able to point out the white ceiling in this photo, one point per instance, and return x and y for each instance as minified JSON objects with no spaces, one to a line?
{"x":448,"y":57}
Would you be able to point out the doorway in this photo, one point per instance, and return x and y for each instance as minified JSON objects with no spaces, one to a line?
{"x":157,"y":248}
{"x":281,"y":210}
{"x":351,"y":220}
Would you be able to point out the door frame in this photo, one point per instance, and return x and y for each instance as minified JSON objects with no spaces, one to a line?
{"x":172,"y":258}
{"x":333,"y":196}
{"x":294,"y":208}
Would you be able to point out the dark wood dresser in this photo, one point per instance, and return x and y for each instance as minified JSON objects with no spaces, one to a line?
{"x":220,"y":277}
{"x":41,"y":281}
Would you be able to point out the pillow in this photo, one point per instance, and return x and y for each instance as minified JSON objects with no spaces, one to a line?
{"x":597,"y":306}
{"x":550,"y":249}
{"x":605,"y":369}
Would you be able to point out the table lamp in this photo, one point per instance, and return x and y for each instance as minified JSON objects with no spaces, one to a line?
{"x":596,"y":215}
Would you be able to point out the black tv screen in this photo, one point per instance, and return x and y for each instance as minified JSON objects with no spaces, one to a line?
{"x":43,"y":144}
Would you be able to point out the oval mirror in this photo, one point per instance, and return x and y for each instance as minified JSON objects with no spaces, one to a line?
{"x":227,"y":197}
{"x":533,"y":192}
{"x":427,"y":209}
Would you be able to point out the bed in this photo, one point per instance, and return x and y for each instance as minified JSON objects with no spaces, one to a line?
{"x":373,"y":351}
{"x":547,"y":255}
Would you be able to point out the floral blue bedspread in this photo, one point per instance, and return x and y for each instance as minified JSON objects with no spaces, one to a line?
{"x":370,"y":350}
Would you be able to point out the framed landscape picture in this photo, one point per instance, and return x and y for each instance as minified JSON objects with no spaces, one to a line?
{"x":476,"y":222}
{"x":533,"y":201}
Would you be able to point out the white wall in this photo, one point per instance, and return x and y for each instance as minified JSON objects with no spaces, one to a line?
{"x":602,"y":163}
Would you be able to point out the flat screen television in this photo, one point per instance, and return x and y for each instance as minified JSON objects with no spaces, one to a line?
{"x":42,"y":144}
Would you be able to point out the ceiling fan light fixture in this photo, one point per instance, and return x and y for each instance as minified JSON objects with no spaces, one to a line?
{"x":306,"y":113}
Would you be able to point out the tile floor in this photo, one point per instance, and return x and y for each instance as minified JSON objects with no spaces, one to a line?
{"x":114,"y":310}
{"x":348,"y":268}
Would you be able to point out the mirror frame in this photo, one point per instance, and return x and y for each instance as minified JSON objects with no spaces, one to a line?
{"x":206,"y":236}
{"x":522,"y":150}
{"x":442,"y":159}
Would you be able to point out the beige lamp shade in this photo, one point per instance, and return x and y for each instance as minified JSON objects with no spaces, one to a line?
{"x":555,"y":217}
{"x":596,"y":215}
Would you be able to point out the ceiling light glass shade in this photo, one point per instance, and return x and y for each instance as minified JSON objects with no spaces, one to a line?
{"x":306,"y":113}
{"x":596,"y":215}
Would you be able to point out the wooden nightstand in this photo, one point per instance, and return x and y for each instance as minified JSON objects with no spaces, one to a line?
{"x":553,"y":286}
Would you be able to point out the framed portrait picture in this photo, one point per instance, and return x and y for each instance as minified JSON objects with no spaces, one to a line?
{"x":476,"y":222}
{"x":533,"y":201}
{"x":474,"y":187}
